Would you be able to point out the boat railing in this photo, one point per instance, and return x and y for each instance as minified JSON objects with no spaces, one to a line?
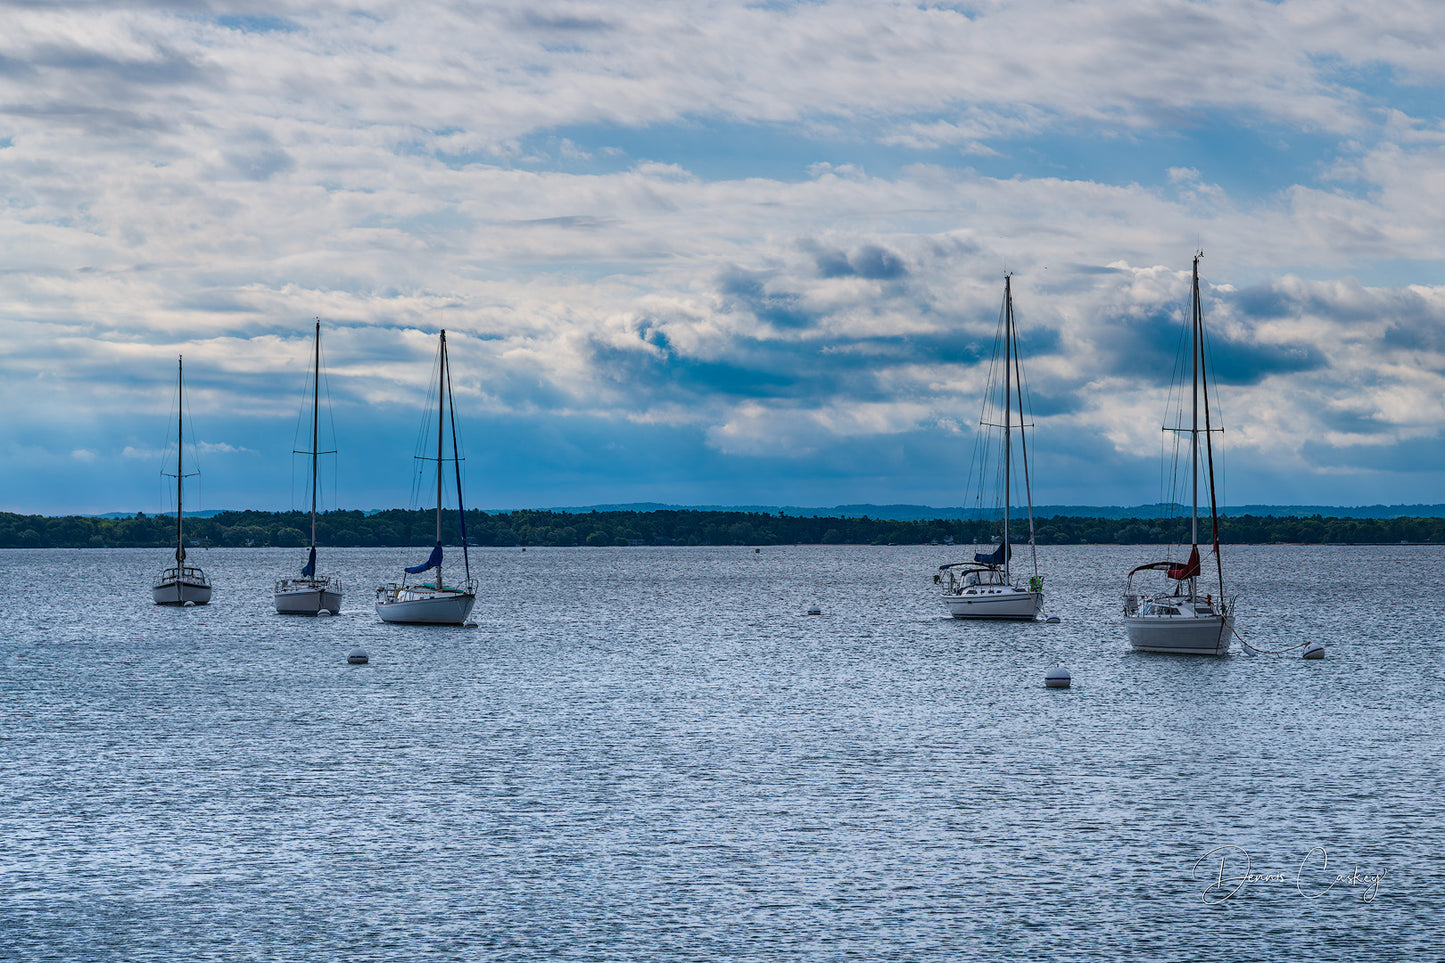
{"x":392,"y":590}
{"x":1169,"y":606}
{"x":183,"y":573}
{"x":329,"y":583}
{"x":963,"y":575}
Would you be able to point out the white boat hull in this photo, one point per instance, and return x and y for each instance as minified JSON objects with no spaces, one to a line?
{"x":424,"y":606}
{"x":172,"y":590}
{"x":307,"y":597}
{"x":994,"y":602}
{"x":1182,"y":634}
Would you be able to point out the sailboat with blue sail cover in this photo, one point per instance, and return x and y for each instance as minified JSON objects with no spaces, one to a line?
{"x":311,"y":594}
{"x":985,"y":588}
{"x":434,"y":602}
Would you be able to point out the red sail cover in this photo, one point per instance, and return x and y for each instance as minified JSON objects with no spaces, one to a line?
{"x":1189,"y":570}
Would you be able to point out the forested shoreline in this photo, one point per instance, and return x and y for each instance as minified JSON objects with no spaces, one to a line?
{"x":399,"y":527}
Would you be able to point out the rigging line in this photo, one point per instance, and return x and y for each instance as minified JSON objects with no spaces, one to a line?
{"x":982,"y":436}
{"x":1174,"y":411}
{"x":308,"y":391}
{"x":421,"y":453}
{"x":331,"y":423}
{"x":457,"y":460}
{"x":1214,"y":403}
{"x":995,"y":416}
{"x":1208,"y":435}
{"x":195,"y":499}
{"x":296,"y":439}
{"x":1023,"y":444}
{"x":172,"y":417}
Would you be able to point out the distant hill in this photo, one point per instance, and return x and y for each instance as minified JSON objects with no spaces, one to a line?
{"x":909,"y":513}
{"x":912,"y":513}
{"x":205,"y":513}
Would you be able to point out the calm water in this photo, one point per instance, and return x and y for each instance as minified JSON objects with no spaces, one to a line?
{"x":652,"y":754}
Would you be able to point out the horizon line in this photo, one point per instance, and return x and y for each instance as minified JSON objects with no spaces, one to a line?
{"x":854,"y":509}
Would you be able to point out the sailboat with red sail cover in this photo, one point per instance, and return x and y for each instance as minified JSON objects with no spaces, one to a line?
{"x":1190,"y":614}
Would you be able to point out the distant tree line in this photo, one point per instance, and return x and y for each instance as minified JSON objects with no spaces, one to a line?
{"x":398,"y":527}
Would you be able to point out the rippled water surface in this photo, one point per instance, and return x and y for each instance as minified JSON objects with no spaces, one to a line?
{"x":653,"y":754}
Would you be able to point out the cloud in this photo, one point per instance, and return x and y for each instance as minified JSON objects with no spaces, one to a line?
{"x":766,"y":228}
{"x":871,"y":261}
{"x":221,"y":448}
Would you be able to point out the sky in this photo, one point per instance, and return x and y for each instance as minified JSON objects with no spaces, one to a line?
{"x":716,"y":252}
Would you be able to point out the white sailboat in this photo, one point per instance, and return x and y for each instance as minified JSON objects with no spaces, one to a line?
{"x":181,"y":584}
{"x":984,"y":588}
{"x":435,"y":602}
{"x":1184,"y":617}
{"x":311,"y":594}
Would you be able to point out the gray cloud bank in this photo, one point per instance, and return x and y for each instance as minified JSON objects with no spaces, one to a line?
{"x":766,"y":239}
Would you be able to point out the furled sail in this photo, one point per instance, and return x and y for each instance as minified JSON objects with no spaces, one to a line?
{"x":434,"y":561}
{"x":1188,"y":570}
{"x":310,"y":568}
{"x":996,"y":557}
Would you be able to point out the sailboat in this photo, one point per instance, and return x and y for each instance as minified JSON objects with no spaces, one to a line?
{"x":311,"y":594}
{"x":434,"y":602}
{"x":181,"y":584}
{"x":984,"y":588}
{"x":1184,"y":617}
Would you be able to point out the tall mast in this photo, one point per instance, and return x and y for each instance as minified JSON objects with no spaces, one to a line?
{"x":180,"y":439}
{"x":1194,"y":427}
{"x":1008,"y":314}
{"x":1209,"y":446}
{"x":315,"y":404}
{"x":441,"y":409}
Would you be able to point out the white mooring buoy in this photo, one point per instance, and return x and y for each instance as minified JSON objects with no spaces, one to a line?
{"x":188,"y":604}
{"x":1058,"y":678}
{"x":1314,"y":651}
{"x":323,"y":612}
{"x":357,"y":656}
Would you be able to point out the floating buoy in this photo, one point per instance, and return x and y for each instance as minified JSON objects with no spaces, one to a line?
{"x":1057,"y":678}
{"x":469,"y":624}
{"x":1051,"y":620}
{"x":357,"y":656}
{"x":189,"y":604}
{"x":323,"y":612}
{"x":1314,"y":651}
{"x":815,"y":610}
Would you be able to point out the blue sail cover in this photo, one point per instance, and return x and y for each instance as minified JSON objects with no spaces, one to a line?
{"x":310,"y":568}
{"x":434,"y":562}
{"x":995,"y":557}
